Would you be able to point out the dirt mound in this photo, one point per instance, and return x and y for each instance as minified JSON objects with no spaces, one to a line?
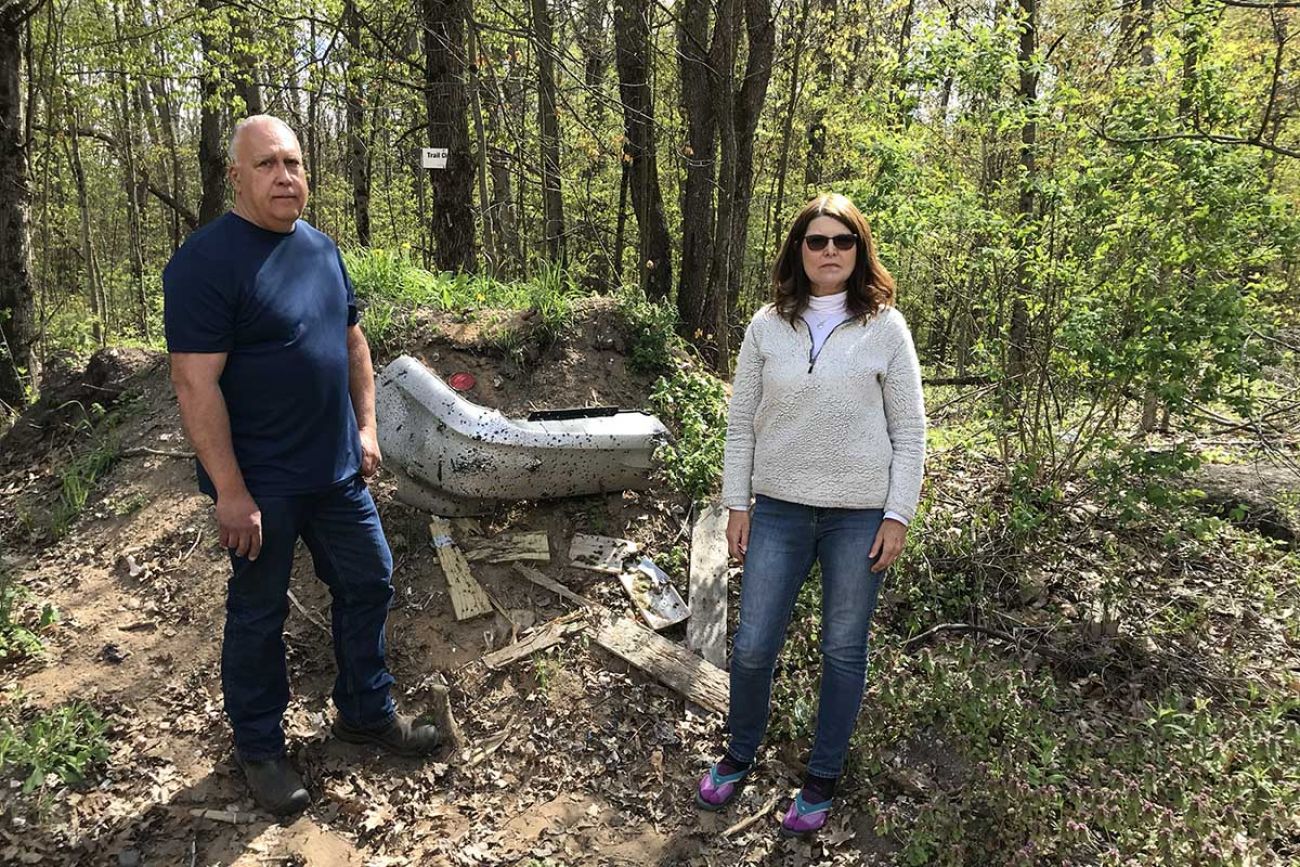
{"x":69,"y":397}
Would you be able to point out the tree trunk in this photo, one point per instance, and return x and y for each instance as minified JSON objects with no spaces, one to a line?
{"x":94,"y":286}
{"x":632,"y":50}
{"x":548,"y":123}
{"x":212,"y":158}
{"x":447,"y":105}
{"x":358,"y":160}
{"x":134,"y":201}
{"x":695,"y":308}
{"x":490,"y":253}
{"x":19,"y":364}
{"x":747,"y":107}
{"x":1017,"y":359}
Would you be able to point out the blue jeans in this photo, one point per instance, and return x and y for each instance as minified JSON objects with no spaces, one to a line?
{"x":784,"y":540}
{"x":342,"y":531}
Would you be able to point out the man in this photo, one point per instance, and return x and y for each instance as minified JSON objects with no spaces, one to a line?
{"x":276,"y":393}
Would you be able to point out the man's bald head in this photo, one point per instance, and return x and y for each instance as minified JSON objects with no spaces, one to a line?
{"x":266,"y":173}
{"x":255,"y":121}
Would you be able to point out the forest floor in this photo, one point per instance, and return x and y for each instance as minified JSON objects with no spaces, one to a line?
{"x":580,"y":759}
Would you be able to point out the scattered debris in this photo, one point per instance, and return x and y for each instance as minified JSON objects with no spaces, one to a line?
{"x":112,"y":654}
{"x":509,"y":547}
{"x":654,"y":595}
{"x":706,"y":633}
{"x":547,"y":635}
{"x":467,"y":596}
{"x":601,"y":553}
{"x":454,"y":457}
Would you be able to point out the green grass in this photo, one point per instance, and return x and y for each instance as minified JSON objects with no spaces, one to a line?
{"x":390,"y":287}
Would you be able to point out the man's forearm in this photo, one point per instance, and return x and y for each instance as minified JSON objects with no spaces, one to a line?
{"x":361,"y":378}
{"x":207,"y":424}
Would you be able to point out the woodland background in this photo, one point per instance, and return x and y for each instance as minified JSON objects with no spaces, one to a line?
{"x":1089,"y":652}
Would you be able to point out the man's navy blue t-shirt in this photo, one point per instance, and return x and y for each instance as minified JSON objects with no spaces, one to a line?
{"x":280,"y":306}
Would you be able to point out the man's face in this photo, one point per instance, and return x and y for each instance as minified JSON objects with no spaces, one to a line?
{"x":268,"y":177}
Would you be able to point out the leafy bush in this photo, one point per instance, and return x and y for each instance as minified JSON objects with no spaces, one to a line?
{"x":694,"y":405}
{"x":650,"y":327}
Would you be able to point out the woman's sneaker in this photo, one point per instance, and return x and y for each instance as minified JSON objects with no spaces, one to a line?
{"x":717,"y":789}
{"x":803,"y":818}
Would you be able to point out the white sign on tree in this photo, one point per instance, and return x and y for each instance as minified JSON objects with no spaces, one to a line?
{"x":433,"y":158}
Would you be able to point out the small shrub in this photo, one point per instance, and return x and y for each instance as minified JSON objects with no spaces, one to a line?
{"x":651,"y":331}
{"x":19,"y":637}
{"x":59,"y":746}
{"x":694,"y":404}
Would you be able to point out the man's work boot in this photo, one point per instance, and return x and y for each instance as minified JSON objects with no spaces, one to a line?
{"x":276,"y":786}
{"x":401,"y":736}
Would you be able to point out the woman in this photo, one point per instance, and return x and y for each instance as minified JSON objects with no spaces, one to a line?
{"x":827,"y":432}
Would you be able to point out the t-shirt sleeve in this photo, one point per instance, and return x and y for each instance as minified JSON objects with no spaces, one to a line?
{"x":199,"y":307}
{"x":354,"y":315}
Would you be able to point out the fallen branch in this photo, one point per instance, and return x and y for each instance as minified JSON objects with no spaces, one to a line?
{"x":745,"y":824}
{"x":140,"y":451}
{"x":305,"y":613}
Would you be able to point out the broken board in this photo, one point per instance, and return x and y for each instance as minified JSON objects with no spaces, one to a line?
{"x":669,"y":663}
{"x":706,"y":634}
{"x":601,"y":553}
{"x":513,"y":546}
{"x":467,"y":597}
{"x":531,"y":574}
{"x":547,"y":635}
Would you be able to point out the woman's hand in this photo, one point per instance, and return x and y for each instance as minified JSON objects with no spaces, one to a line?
{"x":738,"y":534}
{"x":888,"y":545}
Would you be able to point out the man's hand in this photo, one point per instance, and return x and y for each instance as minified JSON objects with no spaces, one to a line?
{"x":737,"y":534}
{"x":889,"y":543}
{"x":240,"y":521}
{"x":371,"y":458}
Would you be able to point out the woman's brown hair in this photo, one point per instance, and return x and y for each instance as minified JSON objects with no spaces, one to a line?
{"x":870,"y":286}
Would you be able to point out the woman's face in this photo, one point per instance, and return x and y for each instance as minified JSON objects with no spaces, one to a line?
{"x":828,"y":269}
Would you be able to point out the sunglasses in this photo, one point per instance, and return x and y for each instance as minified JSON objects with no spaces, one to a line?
{"x":847,"y":241}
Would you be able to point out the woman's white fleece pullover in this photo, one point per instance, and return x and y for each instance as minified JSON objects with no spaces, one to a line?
{"x":845,"y":431}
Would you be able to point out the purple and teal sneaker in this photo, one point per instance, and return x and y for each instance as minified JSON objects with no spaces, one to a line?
{"x":716,"y":790}
{"x":803,"y":818}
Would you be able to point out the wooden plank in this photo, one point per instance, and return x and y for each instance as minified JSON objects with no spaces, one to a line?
{"x":547,"y":635}
{"x":600,"y":553}
{"x":531,"y":574}
{"x":706,"y":633}
{"x":669,"y":663}
{"x":467,"y":597}
{"x":513,"y":546}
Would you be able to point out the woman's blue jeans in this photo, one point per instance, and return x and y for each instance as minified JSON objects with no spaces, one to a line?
{"x":784,"y":540}
{"x":341,"y":529}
